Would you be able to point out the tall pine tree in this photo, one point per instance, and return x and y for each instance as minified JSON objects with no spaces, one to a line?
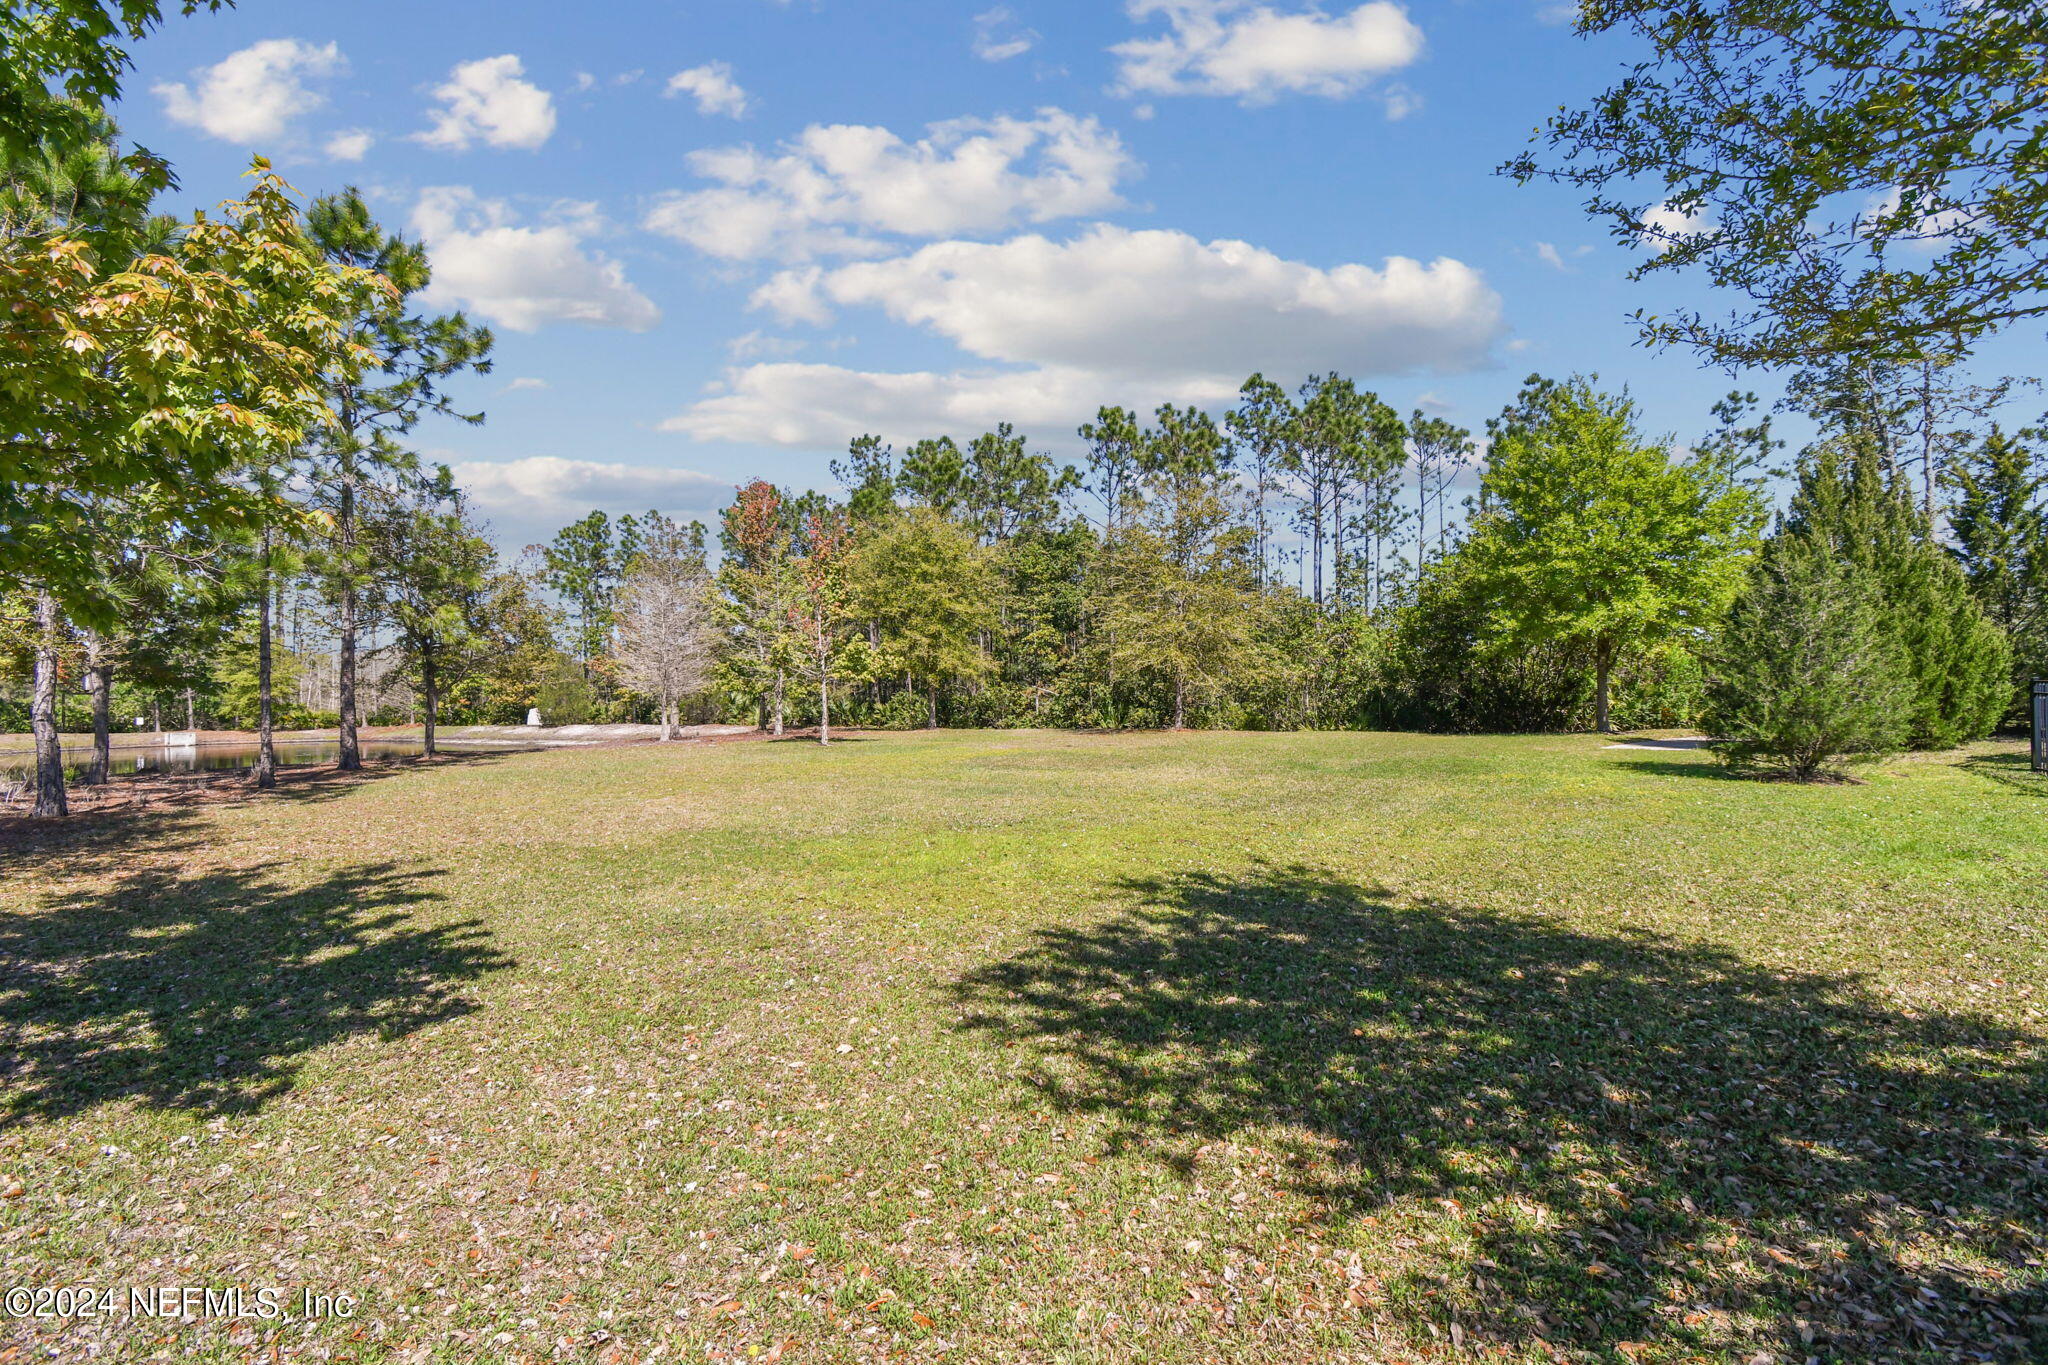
{"x":1958,"y":658}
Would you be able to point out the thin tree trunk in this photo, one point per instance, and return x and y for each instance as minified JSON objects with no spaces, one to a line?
{"x":191,"y":717}
{"x":933,"y":724}
{"x":1180,"y":701}
{"x":430,"y":686}
{"x":99,"y":685}
{"x":1319,"y":552}
{"x":1259,"y":506}
{"x":1604,"y":665}
{"x":776,"y":724}
{"x":824,"y":695}
{"x":1421,"y":512}
{"x":668,"y":716}
{"x":266,"y":710}
{"x":1927,"y":441}
{"x":350,"y":756}
{"x":1337,"y":550}
{"x":43,"y":714}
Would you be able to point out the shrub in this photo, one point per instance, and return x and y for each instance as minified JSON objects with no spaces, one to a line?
{"x":1807,"y":674}
{"x":998,"y":706}
{"x":1663,"y":688}
{"x":565,"y":698}
{"x":1442,"y":673}
{"x":904,"y":711}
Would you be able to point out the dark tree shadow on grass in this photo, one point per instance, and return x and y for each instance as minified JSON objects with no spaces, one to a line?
{"x":1704,"y":766}
{"x":204,"y":993}
{"x":1755,"y":1160}
{"x":2012,"y":771}
{"x":112,"y":837}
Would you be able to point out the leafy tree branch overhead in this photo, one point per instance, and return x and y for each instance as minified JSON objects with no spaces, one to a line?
{"x":1869,"y":177}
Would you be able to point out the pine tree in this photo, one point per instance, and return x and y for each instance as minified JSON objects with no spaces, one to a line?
{"x":410,"y":358}
{"x":869,"y":476}
{"x":2000,"y":536}
{"x":1183,"y":586}
{"x":1440,"y":450}
{"x":934,"y":475}
{"x":584,"y":564}
{"x":1265,"y":426}
{"x":1958,"y":658}
{"x":1806,"y":672}
{"x":433,"y":565}
{"x":1010,"y":490}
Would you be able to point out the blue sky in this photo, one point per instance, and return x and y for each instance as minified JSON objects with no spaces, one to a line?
{"x":717,"y":240}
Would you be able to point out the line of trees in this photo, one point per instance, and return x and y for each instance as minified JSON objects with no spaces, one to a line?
{"x":1291,"y":566}
{"x":204,"y":431}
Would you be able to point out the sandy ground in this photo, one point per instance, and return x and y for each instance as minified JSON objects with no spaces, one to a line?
{"x":565,"y":734}
{"x":478,"y":734}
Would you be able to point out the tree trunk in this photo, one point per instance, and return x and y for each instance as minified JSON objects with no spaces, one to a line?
{"x":430,"y":688}
{"x":1337,"y":552}
{"x":668,"y":716}
{"x":99,"y":685}
{"x":191,"y":717}
{"x":1604,"y":666}
{"x":43,"y":714}
{"x":824,"y":696}
{"x":1421,"y":513}
{"x":1927,"y":441}
{"x":266,"y":710}
{"x":934,"y":721}
{"x":350,"y":757}
{"x":775,"y":726}
{"x":1180,"y":701}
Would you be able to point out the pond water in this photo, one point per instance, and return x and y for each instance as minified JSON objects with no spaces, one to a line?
{"x":295,"y":753}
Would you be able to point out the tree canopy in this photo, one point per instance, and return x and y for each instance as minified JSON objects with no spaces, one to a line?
{"x":1871,"y":175}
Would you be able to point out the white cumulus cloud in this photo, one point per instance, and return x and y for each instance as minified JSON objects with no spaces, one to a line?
{"x":1112,"y":315}
{"x":1666,"y":227}
{"x":818,"y":407}
{"x":998,"y":36}
{"x":255,"y":94}
{"x":350,"y":144}
{"x":1255,"y":53}
{"x":488,"y":101}
{"x":1163,"y":303}
{"x":529,"y":499}
{"x":837,"y":189}
{"x":712,"y":87}
{"x":523,"y":277}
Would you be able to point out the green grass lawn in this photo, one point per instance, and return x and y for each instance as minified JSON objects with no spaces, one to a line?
{"x":1039,"y":1047}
